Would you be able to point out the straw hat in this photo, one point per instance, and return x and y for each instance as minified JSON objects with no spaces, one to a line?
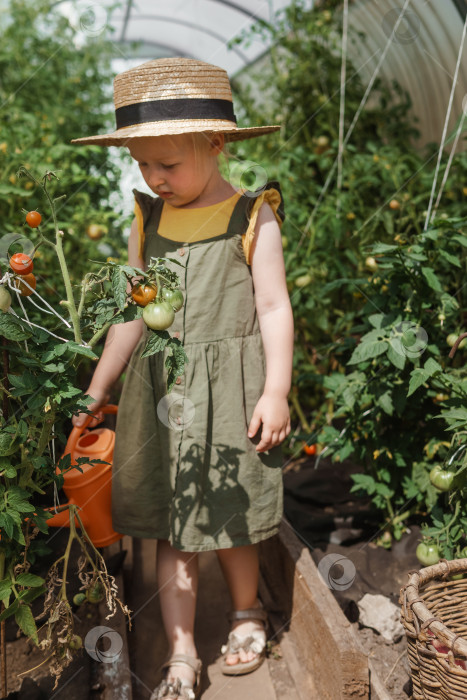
{"x":173,"y":96}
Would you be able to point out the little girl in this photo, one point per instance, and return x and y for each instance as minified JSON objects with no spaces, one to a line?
{"x":200,"y":468}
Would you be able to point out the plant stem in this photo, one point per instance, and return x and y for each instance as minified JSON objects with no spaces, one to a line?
{"x":45,"y":434}
{"x":299,"y":411}
{"x":98,"y":334}
{"x":69,"y":292}
{"x":447,"y":527}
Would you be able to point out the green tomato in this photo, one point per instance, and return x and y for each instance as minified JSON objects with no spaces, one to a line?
{"x":442,"y":480}
{"x":371,"y":263}
{"x":5,"y":298}
{"x":75,"y":642}
{"x":427,"y":554}
{"x":303,"y":281}
{"x":96,"y":593}
{"x":158,"y":315}
{"x":174,"y":297}
{"x":79,"y":598}
{"x":451,"y":339}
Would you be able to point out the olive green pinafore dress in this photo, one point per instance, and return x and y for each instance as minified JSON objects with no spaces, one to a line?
{"x":184,"y":468}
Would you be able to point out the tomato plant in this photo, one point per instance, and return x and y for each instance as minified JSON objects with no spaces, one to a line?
{"x":38,"y":396}
{"x":375,"y":288}
{"x":33,"y":219}
{"x":21,"y":263}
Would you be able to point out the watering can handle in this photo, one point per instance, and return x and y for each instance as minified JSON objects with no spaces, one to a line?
{"x":78,"y":431}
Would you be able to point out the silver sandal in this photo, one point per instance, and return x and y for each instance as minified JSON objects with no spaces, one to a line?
{"x":179,"y":689}
{"x":255,"y":642}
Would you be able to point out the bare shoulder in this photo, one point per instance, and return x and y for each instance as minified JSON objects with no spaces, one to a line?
{"x":267,"y":241}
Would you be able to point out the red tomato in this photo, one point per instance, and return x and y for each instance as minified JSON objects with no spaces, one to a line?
{"x":309,"y":449}
{"x":144,"y":293}
{"x":21,"y":263}
{"x":24,"y":290}
{"x":33,"y":218}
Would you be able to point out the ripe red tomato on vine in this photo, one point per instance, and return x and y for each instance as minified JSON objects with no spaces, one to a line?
{"x":21,"y":263}
{"x":23,"y":288}
{"x":309,"y":449}
{"x":33,"y":218}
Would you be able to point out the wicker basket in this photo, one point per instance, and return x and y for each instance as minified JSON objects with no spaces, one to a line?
{"x":434,"y":614}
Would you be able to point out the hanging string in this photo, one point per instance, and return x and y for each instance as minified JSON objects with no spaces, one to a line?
{"x":358,"y":112}
{"x":449,"y":163}
{"x":445,"y":128}
{"x":8,"y":278}
{"x":345,"y":26}
{"x":26,"y":320}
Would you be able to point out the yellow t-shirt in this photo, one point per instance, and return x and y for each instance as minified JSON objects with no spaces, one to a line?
{"x":191,"y":225}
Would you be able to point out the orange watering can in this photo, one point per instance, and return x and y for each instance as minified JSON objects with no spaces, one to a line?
{"x":91,"y":488}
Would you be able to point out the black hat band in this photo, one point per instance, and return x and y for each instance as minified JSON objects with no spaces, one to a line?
{"x":182,"y":108}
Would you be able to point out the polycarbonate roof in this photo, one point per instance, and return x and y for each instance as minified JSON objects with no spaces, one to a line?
{"x":199,"y":29}
{"x":422,"y":56}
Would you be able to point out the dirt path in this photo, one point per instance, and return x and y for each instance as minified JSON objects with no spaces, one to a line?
{"x":147,"y":641}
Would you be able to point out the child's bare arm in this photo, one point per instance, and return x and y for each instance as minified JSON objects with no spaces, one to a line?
{"x":276,"y":324}
{"x":121,"y":340}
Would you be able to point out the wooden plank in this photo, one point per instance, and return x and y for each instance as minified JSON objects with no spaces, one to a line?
{"x":378,"y":690}
{"x":115,"y":676}
{"x":329,"y":659}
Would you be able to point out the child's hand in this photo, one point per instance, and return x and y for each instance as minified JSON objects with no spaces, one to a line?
{"x":272,"y":412}
{"x":101,"y":398}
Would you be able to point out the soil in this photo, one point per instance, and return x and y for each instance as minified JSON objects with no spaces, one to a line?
{"x":28,"y":676}
{"x":330,"y":519}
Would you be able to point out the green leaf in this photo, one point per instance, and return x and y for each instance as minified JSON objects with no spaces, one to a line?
{"x":175,"y":363}
{"x":385,"y":402}
{"x":29,"y":580}
{"x":459,"y":238}
{"x":158,"y":341}
{"x":363,"y":481}
{"x":12,"y":329}
{"x":382,"y":248}
{"x":432,"y":367}
{"x":25,"y":621}
{"x":418,"y":377}
{"x":432,"y":279}
{"x":366,"y":351}
{"x":452,"y":259}
{"x":81,"y":350}
{"x":8,"y":612}
{"x":5,"y":588}
{"x":394,"y":354}
{"x":7,"y":443}
{"x":119,"y":285}
{"x":376,"y":320}
{"x":23,"y":383}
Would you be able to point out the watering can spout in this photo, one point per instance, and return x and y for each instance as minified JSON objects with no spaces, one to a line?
{"x":89,"y":487}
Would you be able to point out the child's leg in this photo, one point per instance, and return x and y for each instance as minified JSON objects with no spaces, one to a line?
{"x":177,"y":579}
{"x":240,"y":566}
